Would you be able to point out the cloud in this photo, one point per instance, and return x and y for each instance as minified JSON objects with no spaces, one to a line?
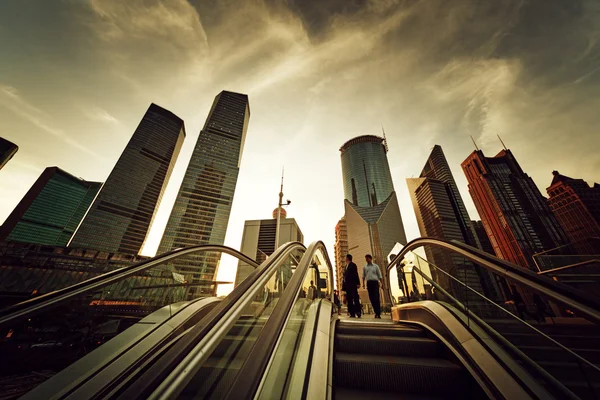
{"x":101,"y":115}
{"x":13,"y":101}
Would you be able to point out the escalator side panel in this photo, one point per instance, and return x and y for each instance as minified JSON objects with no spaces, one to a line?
{"x":481,"y":363}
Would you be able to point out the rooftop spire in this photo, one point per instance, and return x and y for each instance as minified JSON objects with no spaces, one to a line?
{"x":474,"y":144}
{"x":503,"y":145}
{"x":384,"y":139}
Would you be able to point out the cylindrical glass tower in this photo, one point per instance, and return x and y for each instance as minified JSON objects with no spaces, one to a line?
{"x":365,"y":171}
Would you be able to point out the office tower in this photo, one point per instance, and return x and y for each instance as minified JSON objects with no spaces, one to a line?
{"x":7,"y":151}
{"x":340,"y":249}
{"x":441,"y":213}
{"x":482,"y":238}
{"x":51,"y":210}
{"x":576,"y":206}
{"x":258,"y":240}
{"x":121,"y":215}
{"x":514,"y":213}
{"x":372,"y":213}
{"x":203,"y":204}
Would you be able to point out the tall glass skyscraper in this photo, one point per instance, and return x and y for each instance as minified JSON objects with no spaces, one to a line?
{"x":373,"y":221}
{"x":366,"y":172}
{"x":119,"y":218}
{"x":202,"y":207}
{"x":514,"y":213}
{"x":51,"y":210}
{"x":441,"y":213}
{"x":7,"y":151}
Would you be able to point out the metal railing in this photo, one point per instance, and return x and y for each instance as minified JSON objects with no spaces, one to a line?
{"x":47,"y":301}
{"x":575,"y":299}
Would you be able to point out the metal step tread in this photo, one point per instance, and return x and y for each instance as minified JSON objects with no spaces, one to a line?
{"x":343,"y":393}
{"x":396,"y":360}
{"x":391,"y":339}
{"x":388,"y":345}
{"x":379,"y":330}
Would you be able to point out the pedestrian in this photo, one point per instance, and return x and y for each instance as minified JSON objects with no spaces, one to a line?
{"x":540,"y":307}
{"x":520,"y":305}
{"x":373,"y":278}
{"x":312,"y":291}
{"x":336,"y":301}
{"x":351,"y":285}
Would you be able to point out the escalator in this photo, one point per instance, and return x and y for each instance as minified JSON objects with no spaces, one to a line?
{"x":559,"y":349}
{"x":108,"y":343}
{"x":384,"y":360}
{"x":277,"y":335}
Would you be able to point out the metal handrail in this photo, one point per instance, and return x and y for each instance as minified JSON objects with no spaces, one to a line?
{"x":585,"y":361}
{"x":248,"y":378}
{"x":498,"y":337}
{"x":38,"y":304}
{"x":566,"y":295}
{"x":177,"y":366}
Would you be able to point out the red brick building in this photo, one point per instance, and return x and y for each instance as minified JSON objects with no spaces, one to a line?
{"x":513,"y":212}
{"x":576,"y":206}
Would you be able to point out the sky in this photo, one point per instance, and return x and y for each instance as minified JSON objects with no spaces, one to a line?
{"x":76,"y":77}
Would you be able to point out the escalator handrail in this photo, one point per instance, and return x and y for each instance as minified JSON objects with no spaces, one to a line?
{"x":504,"y":342}
{"x":249,"y":376}
{"x":38,"y":304}
{"x":167,"y":376}
{"x":564,"y":294}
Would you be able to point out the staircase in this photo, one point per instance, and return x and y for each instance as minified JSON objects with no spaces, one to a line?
{"x":581,"y":339}
{"x":385,"y":360}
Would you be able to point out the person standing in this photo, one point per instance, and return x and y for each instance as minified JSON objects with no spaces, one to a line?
{"x":372,"y":276}
{"x":351,"y":285}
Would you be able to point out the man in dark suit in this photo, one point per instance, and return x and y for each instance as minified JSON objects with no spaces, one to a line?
{"x":351,"y":285}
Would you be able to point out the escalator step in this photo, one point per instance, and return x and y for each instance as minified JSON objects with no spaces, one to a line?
{"x":379,"y":330}
{"x":426,"y":376}
{"x":388,"y":345}
{"x":341,"y":393}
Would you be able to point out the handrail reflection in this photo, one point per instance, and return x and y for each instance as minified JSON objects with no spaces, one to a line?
{"x":573,"y":298}
{"x":38,"y":304}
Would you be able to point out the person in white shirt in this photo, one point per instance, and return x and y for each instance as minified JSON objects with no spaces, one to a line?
{"x":372,"y":276}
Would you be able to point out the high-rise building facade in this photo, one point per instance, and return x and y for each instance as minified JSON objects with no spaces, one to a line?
{"x":51,"y":210}
{"x":119,"y":219}
{"x":258,"y":240}
{"x":441,"y":213}
{"x":7,"y":151}
{"x":576,"y":206}
{"x":514,"y":213}
{"x":482,"y":237}
{"x":371,"y":207}
{"x":340,"y":248}
{"x":202,"y":207}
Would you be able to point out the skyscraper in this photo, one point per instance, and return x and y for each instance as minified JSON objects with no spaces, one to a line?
{"x":121,"y":215}
{"x":258,"y":240}
{"x":576,"y":206}
{"x":7,"y":151}
{"x":340,"y":249}
{"x":203,"y":204}
{"x":514,"y":213}
{"x":482,"y":237}
{"x":371,"y":207}
{"x":51,"y":210}
{"x":441,"y":213}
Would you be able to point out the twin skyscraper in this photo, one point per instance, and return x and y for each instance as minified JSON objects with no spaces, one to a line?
{"x":121,"y":215}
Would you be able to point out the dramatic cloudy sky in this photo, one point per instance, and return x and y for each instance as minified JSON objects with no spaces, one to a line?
{"x":77,"y":75}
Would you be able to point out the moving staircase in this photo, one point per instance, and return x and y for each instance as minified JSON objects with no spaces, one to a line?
{"x":396,"y":361}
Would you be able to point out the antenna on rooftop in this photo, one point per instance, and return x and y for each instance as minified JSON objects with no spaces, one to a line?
{"x":474,"y":144}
